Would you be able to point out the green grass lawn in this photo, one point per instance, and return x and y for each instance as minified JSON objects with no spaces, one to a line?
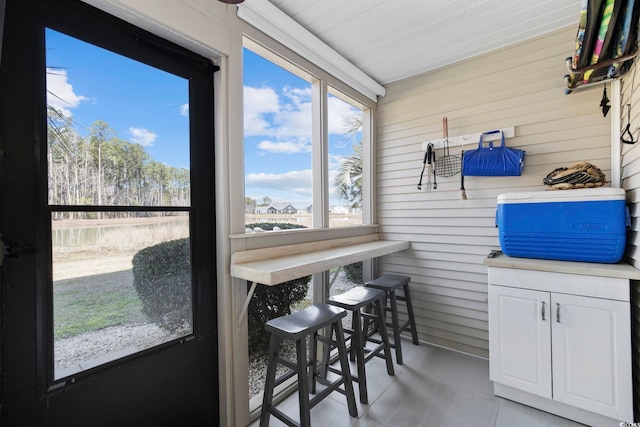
{"x":95,"y":302}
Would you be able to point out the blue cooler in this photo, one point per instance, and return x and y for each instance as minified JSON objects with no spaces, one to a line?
{"x":587,"y":224}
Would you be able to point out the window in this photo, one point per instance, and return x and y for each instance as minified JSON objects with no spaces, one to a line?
{"x":119,"y":197}
{"x":278,"y":150}
{"x":304,"y":147}
{"x":345,"y":120}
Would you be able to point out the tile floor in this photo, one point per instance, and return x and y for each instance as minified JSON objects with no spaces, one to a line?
{"x":434,"y":388}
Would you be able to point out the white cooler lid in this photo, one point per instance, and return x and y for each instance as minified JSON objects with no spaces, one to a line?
{"x":577,"y":195}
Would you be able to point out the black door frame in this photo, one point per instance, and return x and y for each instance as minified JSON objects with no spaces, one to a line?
{"x":175,"y":384}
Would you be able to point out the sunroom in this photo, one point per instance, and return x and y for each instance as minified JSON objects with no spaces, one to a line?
{"x":277,"y":96}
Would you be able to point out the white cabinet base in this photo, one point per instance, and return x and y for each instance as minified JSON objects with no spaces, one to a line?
{"x":560,"y":338}
{"x":553,"y":407}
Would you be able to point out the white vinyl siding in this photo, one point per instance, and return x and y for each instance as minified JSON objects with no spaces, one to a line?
{"x":630,"y":176}
{"x":521,"y":86}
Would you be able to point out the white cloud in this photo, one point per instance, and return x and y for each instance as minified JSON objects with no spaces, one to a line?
{"x":335,"y":160}
{"x":293,"y":182}
{"x":142,"y":136}
{"x":60,"y":94}
{"x":184,"y":110}
{"x":298,"y":96}
{"x":260,"y":100}
{"x":286,"y":116}
{"x":294,"y":117}
{"x":338,"y":110}
{"x":255,"y":125}
{"x":284,"y":147}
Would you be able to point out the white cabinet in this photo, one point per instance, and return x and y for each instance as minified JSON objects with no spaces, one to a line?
{"x":563,"y":340}
{"x":591,"y":347}
{"x":520,"y":339}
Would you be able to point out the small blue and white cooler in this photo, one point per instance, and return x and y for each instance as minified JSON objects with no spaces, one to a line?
{"x":588,"y":224}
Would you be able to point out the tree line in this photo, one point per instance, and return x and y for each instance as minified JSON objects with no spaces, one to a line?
{"x":104,"y":170}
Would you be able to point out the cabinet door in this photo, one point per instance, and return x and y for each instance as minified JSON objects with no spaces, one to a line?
{"x":520,"y":339}
{"x":592,"y":354}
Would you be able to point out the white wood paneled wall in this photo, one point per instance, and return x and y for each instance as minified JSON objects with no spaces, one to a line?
{"x":630,"y":175}
{"x":520,"y":86}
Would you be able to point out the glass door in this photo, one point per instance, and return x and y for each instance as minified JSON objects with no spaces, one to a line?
{"x":121,"y":277}
{"x":110,"y":298}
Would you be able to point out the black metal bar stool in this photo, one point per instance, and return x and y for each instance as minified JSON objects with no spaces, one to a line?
{"x":355,"y":300}
{"x":297,"y":327}
{"x":390,"y":283}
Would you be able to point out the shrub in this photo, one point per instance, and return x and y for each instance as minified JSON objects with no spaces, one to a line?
{"x":162,"y":279}
{"x":268,"y":226}
{"x":269,"y":302}
{"x":353,"y":272}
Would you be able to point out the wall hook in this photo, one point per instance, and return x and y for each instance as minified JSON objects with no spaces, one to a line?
{"x":627,"y":136}
{"x":604,"y":102}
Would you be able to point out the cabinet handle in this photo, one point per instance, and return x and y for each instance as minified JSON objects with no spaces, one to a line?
{"x":558,"y":312}
{"x":543,"y":310}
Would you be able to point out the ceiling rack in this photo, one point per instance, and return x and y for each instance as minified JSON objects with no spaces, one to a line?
{"x":578,"y":84}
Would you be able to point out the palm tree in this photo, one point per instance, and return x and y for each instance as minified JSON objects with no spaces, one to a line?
{"x":348,"y":180}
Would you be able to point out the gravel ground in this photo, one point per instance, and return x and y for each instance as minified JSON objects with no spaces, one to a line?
{"x":95,"y":345}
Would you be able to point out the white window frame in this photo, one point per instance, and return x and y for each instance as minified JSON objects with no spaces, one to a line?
{"x":320,"y":82}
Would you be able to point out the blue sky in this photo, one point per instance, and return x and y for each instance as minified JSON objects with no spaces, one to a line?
{"x":148,"y":106}
{"x":142,"y":104}
{"x":277,"y":124}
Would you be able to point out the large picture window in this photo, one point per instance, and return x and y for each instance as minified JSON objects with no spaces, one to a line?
{"x":277,"y":154}
{"x":288,"y":121}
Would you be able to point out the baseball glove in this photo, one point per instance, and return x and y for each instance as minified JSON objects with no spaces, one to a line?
{"x":580,"y":175}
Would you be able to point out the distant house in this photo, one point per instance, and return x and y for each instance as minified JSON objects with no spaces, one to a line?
{"x":282,"y":208}
{"x":288,"y":210}
{"x":340,"y":210}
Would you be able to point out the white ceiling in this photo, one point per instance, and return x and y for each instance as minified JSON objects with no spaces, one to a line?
{"x":393,"y":39}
